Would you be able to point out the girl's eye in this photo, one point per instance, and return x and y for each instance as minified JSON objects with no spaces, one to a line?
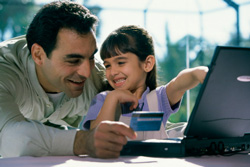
{"x":107,"y":66}
{"x":120,"y":63}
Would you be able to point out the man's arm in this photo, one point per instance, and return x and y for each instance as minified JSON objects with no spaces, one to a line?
{"x":20,"y":136}
{"x":23,"y":137}
{"x":186,"y":79}
{"x":105,"y":141}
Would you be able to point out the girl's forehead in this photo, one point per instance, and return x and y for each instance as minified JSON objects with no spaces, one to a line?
{"x":115,"y":58}
{"x":122,"y":56}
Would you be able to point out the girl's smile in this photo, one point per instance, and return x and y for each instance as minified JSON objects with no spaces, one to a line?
{"x":119,"y":82}
{"x":126,"y":71}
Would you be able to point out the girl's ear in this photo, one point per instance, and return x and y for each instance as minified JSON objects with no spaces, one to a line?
{"x":149,"y":63}
{"x":38,"y":54}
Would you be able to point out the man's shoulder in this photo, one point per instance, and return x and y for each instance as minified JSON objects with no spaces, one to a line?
{"x":14,"y":40}
{"x":15,"y":57}
{"x":14,"y":47}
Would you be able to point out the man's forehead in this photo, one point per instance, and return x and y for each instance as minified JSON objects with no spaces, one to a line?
{"x":72,"y":34}
{"x":74,"y":43}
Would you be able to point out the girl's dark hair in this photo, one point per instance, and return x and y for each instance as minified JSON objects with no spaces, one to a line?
{"x":132,"y":39}
{"x":54,"y":16}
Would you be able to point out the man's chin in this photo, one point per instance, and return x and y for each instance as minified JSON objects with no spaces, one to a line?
{"x":73,"y":94}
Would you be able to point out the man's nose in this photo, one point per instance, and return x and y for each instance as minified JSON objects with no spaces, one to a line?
{"x":85,"y":68}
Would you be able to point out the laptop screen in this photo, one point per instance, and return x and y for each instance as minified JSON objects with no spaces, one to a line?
{"x":222,"y":108}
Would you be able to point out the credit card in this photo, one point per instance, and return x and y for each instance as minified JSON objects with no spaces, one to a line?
{"x":146,"y":121}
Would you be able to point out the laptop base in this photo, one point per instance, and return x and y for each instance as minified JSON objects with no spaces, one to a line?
{"x":154,"y":148}
{"x":186,"y":147}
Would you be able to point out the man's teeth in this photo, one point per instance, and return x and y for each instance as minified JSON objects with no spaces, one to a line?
{"x":77,"y":81}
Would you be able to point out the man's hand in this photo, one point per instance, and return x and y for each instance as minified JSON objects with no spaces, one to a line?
{"x":105,"y":141}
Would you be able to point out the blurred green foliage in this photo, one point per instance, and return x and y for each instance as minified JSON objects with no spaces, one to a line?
{"x":15,"y":16}
{"x":175,"y":61}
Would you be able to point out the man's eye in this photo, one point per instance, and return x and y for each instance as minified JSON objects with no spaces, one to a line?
{"x":74,"y":61}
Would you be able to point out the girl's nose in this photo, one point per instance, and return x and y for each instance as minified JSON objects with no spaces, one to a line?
{"x":114,"y":71}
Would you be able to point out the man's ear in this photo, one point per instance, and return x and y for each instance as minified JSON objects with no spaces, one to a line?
{"x":149,"y":63}
{"x":38,"y":54}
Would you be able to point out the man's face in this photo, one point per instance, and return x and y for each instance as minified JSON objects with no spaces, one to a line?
{"x":70,"y":63}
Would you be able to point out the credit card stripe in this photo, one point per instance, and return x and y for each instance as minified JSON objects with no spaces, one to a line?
{"x":147,"y":115}
{"x":149,"y":119}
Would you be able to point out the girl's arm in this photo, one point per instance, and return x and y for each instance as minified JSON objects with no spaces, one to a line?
{"x":186,"y":79}
{"x":108,"y":109}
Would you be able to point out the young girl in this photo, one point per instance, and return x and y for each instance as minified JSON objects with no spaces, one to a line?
{"x":128,"y":56}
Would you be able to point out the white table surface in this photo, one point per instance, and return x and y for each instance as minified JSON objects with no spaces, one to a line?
{"x":237,"y":160}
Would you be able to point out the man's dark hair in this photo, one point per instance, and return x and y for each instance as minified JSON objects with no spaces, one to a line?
{"x":54,"y":16}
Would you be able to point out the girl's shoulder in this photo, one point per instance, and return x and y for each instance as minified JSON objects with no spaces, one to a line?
{"x":101,"y":96}
{"x":161,"y":89}
{"x":104,"y":93}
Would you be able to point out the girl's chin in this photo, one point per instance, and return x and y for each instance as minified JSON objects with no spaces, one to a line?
{"x":120,"y":87}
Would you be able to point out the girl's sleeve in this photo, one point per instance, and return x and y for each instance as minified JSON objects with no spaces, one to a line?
{"x":163,"y":103}
{"x":94,"y":109}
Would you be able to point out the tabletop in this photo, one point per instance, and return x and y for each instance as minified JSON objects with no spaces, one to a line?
{"x":240,"y":160}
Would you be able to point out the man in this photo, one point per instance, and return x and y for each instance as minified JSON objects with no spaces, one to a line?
{"x":50,"y":82}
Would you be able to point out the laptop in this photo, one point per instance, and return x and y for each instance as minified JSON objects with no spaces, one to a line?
{"x":220,"y":120}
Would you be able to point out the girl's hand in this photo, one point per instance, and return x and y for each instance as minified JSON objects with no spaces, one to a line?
{"x":123,"y":96}
{"x":108,"y":109}
{"x":200,"y":73}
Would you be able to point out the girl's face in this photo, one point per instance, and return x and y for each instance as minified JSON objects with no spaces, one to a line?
{"x":125,"y":71}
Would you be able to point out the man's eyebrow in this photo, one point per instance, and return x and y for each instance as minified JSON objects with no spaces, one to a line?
{"x":70,"y":56}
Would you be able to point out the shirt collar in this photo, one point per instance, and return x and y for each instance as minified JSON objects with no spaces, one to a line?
{"x":141,"y":100}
